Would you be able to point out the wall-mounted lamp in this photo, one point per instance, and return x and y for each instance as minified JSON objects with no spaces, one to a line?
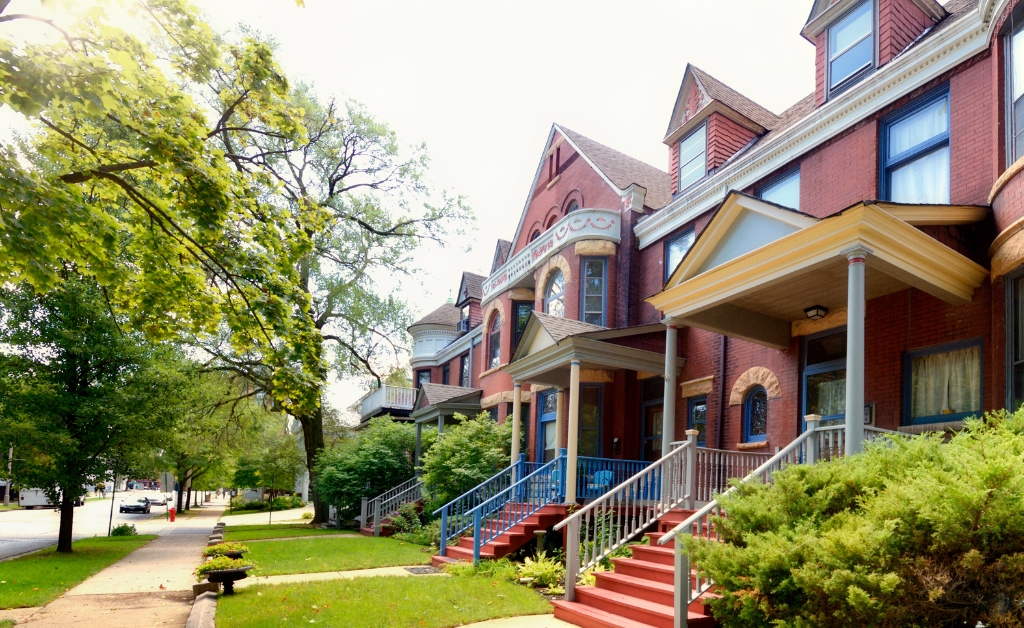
{"x":816,"y":312}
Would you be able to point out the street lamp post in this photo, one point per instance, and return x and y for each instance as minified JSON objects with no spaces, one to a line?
{"x":7,"y":485}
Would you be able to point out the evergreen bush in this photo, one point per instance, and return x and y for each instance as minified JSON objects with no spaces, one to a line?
{"x":913,"y":532}
{"x":468,"y":453}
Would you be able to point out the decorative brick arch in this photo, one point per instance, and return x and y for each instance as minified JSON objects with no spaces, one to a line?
{"x":544,"y":273}
{"x":574,"y":196}
{"x":554,"y":215}
{"x":494,"y":306}
{"x":755,"y":376}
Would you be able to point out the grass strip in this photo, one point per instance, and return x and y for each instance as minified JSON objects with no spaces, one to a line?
{"x":422,"y":602}
{"x":37,"y":579}
{"x":276,"y":531}
{"x":316,"y":555}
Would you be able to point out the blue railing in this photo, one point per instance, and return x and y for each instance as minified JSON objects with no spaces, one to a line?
{"x":509,"y":508}
{"x":597,"y":476}
{"x":455,"y":515}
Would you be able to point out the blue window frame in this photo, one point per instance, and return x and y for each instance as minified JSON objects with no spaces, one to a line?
{"x":824,"y":376}
{"x":755,"y":415}
{"x":699,"y":419}
{"x":784,"y":191}
{"x":547,"y":415}
{"x":914,"y":151}
{"x":943,"y":383}
{"x":851,"y":46}
{"x":675,"y":251}
{"x":445,"y":374}
{"x":594,"y":300}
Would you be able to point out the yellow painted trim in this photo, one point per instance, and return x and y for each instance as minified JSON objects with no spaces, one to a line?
{"x":806,"y":327}
{"x":1005,"y":178}
{"x":924,"y":215}
{"x":899,"y":250}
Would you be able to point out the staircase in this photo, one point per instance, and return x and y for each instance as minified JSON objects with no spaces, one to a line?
{"x":505,"y":542}
{"x":639,"y":592}
{"x":375,"y":514}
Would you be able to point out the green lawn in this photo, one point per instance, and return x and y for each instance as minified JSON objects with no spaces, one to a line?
{"x":319,"y":554}
{"x":11,"y":506}
{"x":6,"y":623}
{"x":39,"y":578}
{"x":418,"y":601}
{"x":276,"y":531}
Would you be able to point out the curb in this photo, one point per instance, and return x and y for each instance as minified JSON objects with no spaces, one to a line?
{"x":204,"y":611}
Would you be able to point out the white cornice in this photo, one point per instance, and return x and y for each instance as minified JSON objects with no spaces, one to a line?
{"x":938,"y":54}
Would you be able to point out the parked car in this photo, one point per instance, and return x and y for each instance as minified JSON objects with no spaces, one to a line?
{"x":156,"y":498}
{"x":140,"y":504}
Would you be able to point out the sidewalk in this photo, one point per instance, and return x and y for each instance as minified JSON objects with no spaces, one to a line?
{"x":152,"y":586}
{"x":332,"y":575}
{"x":293,"y":515}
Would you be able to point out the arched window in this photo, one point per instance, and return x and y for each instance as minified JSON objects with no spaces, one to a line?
{"x":554,"y":295}
{"x":536,"y":234}
{"x":573,"y":206}
{"x":494,"y":343}
{"x":551,"y":222}
{"x":755,"y":415}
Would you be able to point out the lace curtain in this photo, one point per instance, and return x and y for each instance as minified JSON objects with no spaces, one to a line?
{"x":832,"y":397}
{"x":946,"y":383}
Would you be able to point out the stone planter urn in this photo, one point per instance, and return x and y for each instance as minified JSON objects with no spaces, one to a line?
{"x":228,"y":577}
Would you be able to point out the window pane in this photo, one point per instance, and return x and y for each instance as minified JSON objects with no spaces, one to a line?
{"x":556,"y":307}
{"x":693,"y":145}
{"x":927,"y":123}
{"x":1018,"y":126}
{"x":785,"y":192}
{"x":699,"y":421}
{"x":677,"y":248}
{"x":590,"y":410}
{"x":826,"y":348}
{"x":550,"y":403}
{"x":549,"y":441}
{"x":1017,"y":63}
{"x":848,"y":63}
{"x":589,"y":443}
{"x":758,"y":409}
{"x":826,"y":393}
{"x":851,"y":28}
{"x":946,"y":383}
{"x":692,"y":158}
{"x":924,"y":180}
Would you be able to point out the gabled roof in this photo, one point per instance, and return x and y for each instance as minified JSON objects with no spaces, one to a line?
{"x":710,"y":95}
{"x":471,"y":287}
{"x":436,"y":394}
{"x":561,"y":328}
{"x":447,"y":314}
{"x":624,"y":170}
{"x":501,"y":252}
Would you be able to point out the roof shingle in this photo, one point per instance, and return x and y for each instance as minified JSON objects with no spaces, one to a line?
{"x":624,"y":170}
{"x":441,"y":393}
{"x":561,"y":328}
{"x":447,"y":314}
{"x":736,"y":101}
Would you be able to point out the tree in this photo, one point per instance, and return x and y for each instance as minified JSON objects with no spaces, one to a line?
{"x":81,"y":396}
{"x":467,"y":453}
{"x":372,"y":208}
{"x":378,"y":458}
{"x":913,"y":532}
{"x":275,"y":464}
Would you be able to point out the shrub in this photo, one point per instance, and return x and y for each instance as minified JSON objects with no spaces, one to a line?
{"x":124,"y":529}
{"x":219,"y":563}
{"x":501,"y":569}
{"x":429,"y":534}
{"x":543,"y":571}
{"x":407,"y":519}
{"x":283,"y":502}
{"x":227,"y":547}
{"x":307,"y":515}
{"x":913,"y":532}
{"x":377,"y":459}
{"x":470,"y":452}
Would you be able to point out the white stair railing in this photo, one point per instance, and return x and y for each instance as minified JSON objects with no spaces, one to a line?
{"x":817,"y":443}
{"x":624,"y":512}
{"x":715,"y":467}
{"x":373,"y":511}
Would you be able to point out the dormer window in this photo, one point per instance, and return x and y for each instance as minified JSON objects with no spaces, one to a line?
{"x":693,"y":157}
{"x":851,"y":46}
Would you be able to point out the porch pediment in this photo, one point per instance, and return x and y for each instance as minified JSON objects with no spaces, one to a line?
{"x":730,"y":284}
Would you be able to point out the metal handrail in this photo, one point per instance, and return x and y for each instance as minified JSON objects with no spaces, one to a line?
{"x":624,"y":512}
{"x":455,"y":517}
{"x":501,"y":512}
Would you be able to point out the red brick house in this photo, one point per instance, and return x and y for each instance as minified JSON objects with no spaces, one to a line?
{"x":856,"y":255}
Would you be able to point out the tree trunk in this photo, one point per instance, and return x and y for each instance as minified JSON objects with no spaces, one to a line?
{"x":188,"y":500}
{"x":67,"y":519}
{"x":313,"y":439}
{"x":179,"y":498}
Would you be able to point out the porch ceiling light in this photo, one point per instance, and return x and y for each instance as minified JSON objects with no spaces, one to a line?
{"x":816,"y":312}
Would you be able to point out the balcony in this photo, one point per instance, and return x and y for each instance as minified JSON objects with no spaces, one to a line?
{"x":394,"y":400}
{"x":583,"y":224}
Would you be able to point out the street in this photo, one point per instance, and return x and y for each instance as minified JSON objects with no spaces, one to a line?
{"x":26,"y":530}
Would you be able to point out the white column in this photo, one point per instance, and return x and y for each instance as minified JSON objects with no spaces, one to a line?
{"x":517,"y":411}
{"x":855,"y":305}
{"x":668,"y":417}
{"x":574,"y":431}
{"x":559,"y":419}
{"x":419,"y":446}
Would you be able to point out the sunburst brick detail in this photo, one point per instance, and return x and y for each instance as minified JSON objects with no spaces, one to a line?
{"x":755,"y":376}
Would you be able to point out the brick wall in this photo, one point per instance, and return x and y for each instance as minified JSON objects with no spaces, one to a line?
{"x":973,"y":112}
{"x":725,"y":139}
{"x":820,"y":59}
{"x":841,"y":173}
{"x":900,"y":22}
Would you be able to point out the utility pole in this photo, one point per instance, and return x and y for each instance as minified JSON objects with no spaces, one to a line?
{"x":7,"y":485}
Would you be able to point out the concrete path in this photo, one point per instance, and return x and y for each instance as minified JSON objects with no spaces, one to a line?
{"x":331,"y":575}
{"x":293,"y":515}
{"x":152,"y":586}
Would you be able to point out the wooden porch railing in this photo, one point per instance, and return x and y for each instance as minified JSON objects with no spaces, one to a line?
{"x":375,"y":510}
{"x":715,"y":467}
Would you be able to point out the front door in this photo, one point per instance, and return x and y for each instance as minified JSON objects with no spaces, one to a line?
{"x":547,"y":412}
{"x":652,"y":426}
{"x":824,"y":376}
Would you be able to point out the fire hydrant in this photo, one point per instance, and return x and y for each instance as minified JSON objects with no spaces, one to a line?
{"x":170,"y":511}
